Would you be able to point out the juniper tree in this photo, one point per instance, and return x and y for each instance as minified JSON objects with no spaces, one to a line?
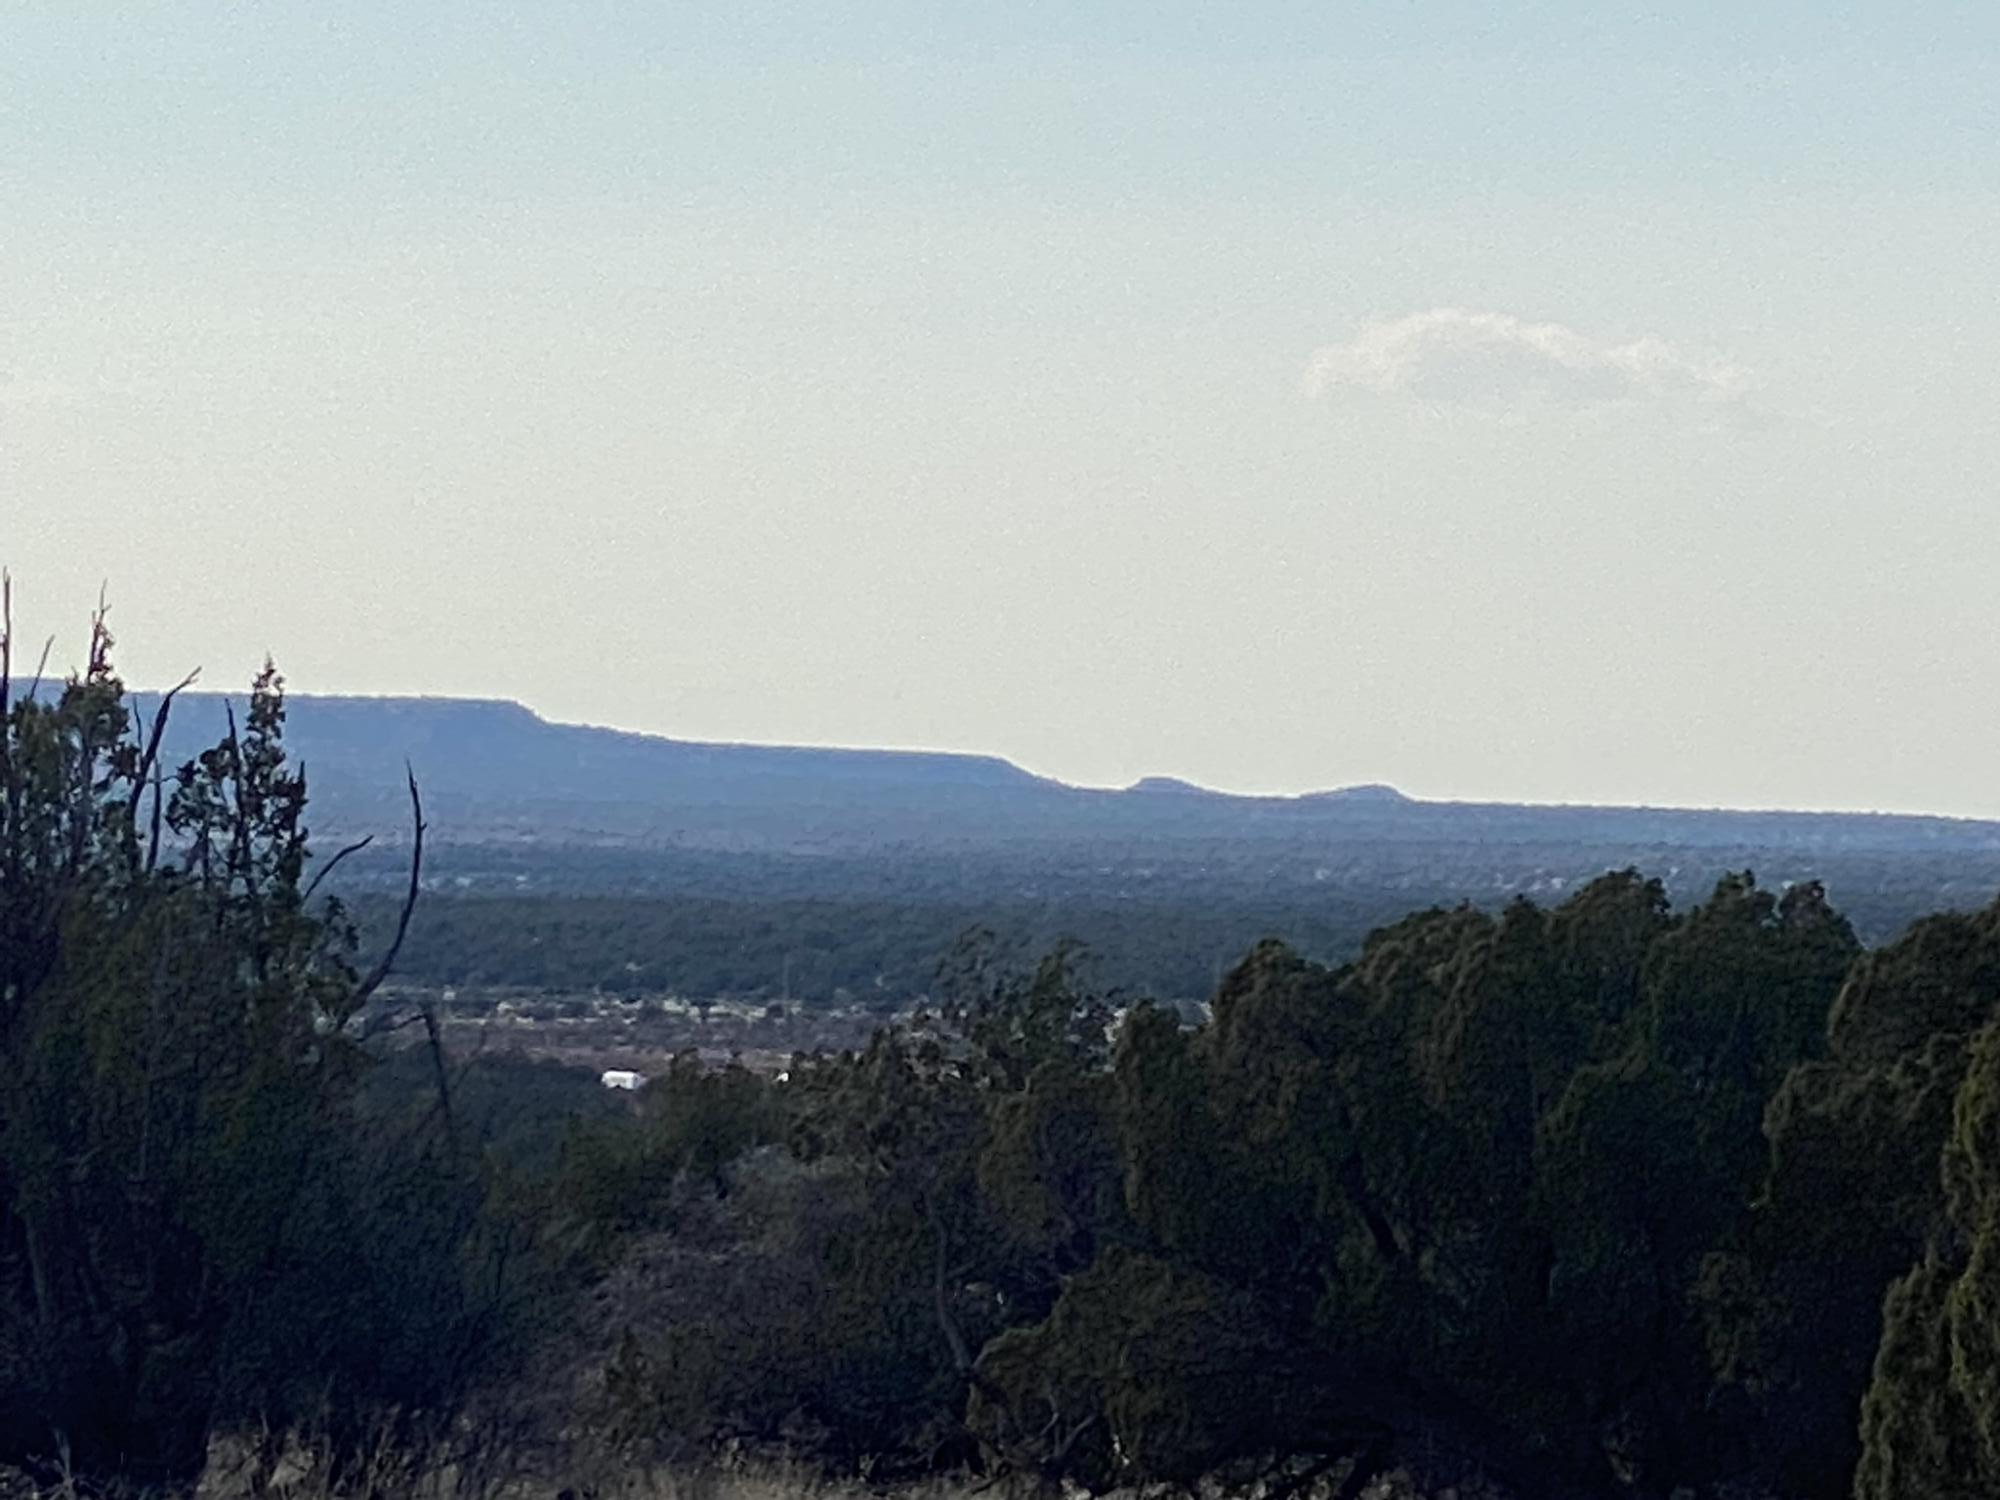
{"x":175,"y":1054}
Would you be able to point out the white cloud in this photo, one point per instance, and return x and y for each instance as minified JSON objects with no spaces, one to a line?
{"x":1449,"y":356}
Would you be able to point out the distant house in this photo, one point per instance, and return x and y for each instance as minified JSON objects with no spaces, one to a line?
{"x":622,"y":1078}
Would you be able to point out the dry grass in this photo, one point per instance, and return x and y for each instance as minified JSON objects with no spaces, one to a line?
{"x":291,"y":1474}
{"x":289,"y":1469}
{"x":270,"y":1466}
{"x":765,"y":1481}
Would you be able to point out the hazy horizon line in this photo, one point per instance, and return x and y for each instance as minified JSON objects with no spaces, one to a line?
{"x":292,"y":691}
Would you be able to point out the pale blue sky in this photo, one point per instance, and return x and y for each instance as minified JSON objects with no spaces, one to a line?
{"x":1559,"y":402}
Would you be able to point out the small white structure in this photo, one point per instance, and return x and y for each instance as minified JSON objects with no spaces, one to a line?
{"x":622,"y":1078}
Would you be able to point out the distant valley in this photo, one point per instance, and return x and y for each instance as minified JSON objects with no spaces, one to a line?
{"x":566,"y":857}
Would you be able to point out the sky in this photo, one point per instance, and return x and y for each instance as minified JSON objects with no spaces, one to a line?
{"x":1565,"y":402}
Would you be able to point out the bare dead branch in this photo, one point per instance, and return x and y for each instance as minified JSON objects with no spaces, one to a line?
{"x":467,"y":1059}
{"x":389,"y":1022}
{"x":41,"y":667}
{"x":381,"y":970}
{"x":241,"y":857}
{"x":961,"y":1353}
{"x":149,"y":771}
{"x":99,"y":662}
{"x":151,"y":754}
{"x":445,"y":1080}
{"x":961,"y":1356}
{"x":153,"y":842}
{"x":1070,"y":1438}
{"x":436,"y":1043}
{"x":331,"y":865}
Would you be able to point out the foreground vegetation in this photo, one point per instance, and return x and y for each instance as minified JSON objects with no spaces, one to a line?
{"x":1597,"y":1199}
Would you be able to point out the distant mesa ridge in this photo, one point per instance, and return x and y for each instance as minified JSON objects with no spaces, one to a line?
{"x":1379,"y":793}
{"x":1171,"y":786}
{"x":463,"y":742}
{"x":474,"y":732}
{"x":494,"y":763}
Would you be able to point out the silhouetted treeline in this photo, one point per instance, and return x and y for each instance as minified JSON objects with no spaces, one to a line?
{"x":1604,"y":1197}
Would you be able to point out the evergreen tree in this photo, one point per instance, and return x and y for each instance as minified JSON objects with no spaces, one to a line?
{"x":177,"y":1238}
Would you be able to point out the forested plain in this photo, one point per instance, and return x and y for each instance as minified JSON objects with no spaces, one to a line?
{"x":579,"y":859}
{"x":1607,"y":1193}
